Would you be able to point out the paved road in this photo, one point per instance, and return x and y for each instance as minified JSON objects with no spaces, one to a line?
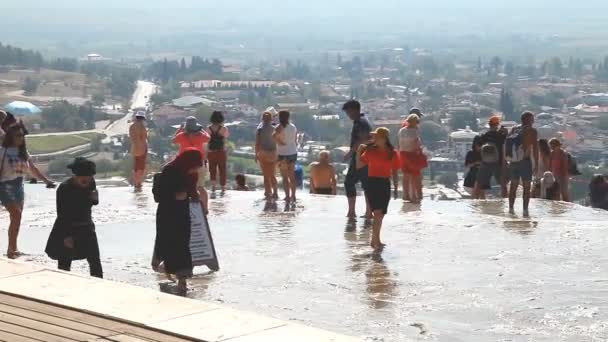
{"x":140,"y":99}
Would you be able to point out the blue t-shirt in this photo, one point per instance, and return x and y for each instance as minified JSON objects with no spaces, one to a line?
{"x":361,"y":126}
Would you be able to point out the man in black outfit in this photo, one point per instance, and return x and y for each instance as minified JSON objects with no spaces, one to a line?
{"x":496,"y":136}
{"x":360,"y":134}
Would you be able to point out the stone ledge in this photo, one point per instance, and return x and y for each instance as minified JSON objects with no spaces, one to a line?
{"x":186,"y":317}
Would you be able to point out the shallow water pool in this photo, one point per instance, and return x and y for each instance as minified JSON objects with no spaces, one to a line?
{"x":451,"y":271}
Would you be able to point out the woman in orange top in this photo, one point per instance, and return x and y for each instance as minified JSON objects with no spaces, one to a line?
{"x":559,"y":167}
{"x":382,"y":161}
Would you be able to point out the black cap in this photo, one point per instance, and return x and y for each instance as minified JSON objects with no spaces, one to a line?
{"x":82,"y":167}
{"x":416,"y":111}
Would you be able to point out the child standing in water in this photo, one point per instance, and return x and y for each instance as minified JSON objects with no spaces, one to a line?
{"x":73,"y":236}
{"x":382,"y":161}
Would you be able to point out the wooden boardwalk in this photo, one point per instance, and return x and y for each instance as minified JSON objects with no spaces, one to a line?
{"x":27,"y":320}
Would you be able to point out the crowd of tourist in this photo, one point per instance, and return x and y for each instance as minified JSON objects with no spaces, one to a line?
{"x":509,"y":157}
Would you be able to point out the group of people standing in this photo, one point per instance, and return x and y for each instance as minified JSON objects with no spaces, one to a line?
{"x":518,"y":156}
{"x":515,"y":156}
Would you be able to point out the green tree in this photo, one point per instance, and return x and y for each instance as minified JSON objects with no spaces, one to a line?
{"x":459,"y":120}
{"x":603,"y":123}
{"x":496,"y":63}
{"x":556,"y":67}
{"x":98,"y":99}
{"x":30,"y":86}
{"x":510,"y":69}
{"x":506,"y":105}
{"x":432,"y":132}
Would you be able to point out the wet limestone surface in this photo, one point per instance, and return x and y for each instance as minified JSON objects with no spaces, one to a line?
{"x":452,"y":271}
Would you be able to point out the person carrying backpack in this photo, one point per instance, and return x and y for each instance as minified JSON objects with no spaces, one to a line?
{"x":521,"y":150}
{"x":492,"y":160}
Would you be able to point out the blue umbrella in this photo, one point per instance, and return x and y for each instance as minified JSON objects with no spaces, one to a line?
{"x":22,"y":108}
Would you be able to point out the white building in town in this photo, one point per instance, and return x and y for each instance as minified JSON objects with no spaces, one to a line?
{"x":461,"y":141}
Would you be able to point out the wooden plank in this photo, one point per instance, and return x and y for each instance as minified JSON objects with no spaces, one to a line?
{"x":57,"y":311}
{"x":34,"y":334}
{"x":123,"y":338}
{"x":6,"y":336}
{"x":81,"y":326}
{"x":45,"y":327}
{"x":117,"y":326}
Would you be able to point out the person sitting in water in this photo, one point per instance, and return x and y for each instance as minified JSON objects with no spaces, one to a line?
{"x":322,"y":176}
{"x":549,"y":187}
{"x":241,"y":183}
{"x":598,"y":192}
{"x":73,"y":236}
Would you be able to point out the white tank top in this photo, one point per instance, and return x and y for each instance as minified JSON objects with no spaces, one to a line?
{"x":409,"y":140}
{"x":288,"y":135}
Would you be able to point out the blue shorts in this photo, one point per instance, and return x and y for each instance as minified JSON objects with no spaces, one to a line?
{"x":12,"y":192}
{"x":290,"y":158}
{"x":521,"y":170}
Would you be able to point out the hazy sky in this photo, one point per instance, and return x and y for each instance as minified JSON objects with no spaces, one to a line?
{"x":36,"y":22}
{"x":295,"y":15}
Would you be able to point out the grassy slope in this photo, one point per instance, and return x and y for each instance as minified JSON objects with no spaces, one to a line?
{"x":48,"y":144}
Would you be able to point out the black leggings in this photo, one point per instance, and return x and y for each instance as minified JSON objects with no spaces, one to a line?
{"x":94,"y":265}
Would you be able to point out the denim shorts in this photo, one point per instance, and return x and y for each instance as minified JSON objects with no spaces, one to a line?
{"x":12,"y":192}
{"x":290,"y":159}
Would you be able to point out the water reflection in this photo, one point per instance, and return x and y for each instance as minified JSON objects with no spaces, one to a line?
{"x":411,"y":207}
{"x":141,"y":199}
{"x":218,"y":205}
{"x":274,"y":224}
{"x":381,"y":283}
{"x":522,"y":227}
{"x":489,"y":207}
{"x":270,"y":206}
{"x":559,"y":208}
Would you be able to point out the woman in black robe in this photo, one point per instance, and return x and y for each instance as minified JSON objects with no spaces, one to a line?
{"x":73,"y":236}
{"x":174,"y":190}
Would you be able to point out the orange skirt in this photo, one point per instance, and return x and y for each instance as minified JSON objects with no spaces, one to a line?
{"x":413,"y":162}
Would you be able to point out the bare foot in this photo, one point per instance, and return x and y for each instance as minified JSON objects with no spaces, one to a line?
{"x":13,"y":254}
{"x":378,"y":246}
{"x":182,"y":288}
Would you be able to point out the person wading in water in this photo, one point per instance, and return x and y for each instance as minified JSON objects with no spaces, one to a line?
{"x":73,"y":236}
{"x":382,"y":161}
{"x":174,"y":191}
